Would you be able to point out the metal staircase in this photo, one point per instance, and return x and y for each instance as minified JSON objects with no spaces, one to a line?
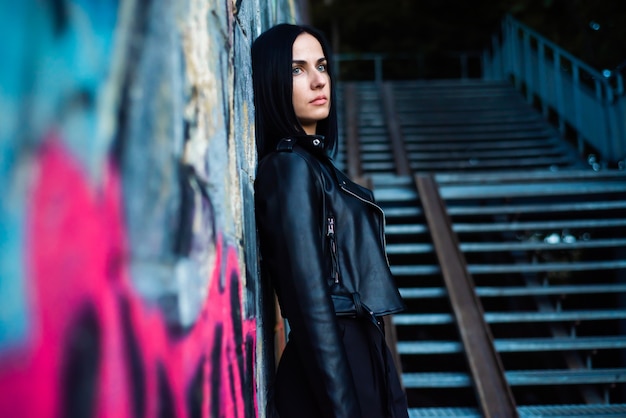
{"x":509,"y":251}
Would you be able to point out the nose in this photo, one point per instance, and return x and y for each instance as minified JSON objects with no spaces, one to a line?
{"x":318,"y":80}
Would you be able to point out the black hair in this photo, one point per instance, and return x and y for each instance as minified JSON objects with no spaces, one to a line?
{"x":272,"y":80}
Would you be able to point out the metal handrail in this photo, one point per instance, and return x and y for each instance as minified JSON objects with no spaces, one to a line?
{"x":378,"y":58}
{"x":583,"y":99}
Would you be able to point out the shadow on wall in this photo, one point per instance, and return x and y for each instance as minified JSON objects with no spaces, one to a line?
{"x":125,"y":147}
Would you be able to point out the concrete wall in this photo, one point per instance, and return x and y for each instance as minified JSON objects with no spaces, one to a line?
{"x":128,"y":276}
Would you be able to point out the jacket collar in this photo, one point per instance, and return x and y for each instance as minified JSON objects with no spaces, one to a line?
{"x":315,"y":144}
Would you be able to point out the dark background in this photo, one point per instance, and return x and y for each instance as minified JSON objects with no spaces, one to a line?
{"x":592,"y":30}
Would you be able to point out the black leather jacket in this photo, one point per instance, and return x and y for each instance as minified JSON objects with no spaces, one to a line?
{"x":322,"y":244}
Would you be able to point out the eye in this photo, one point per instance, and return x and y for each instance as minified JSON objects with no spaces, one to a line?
{"x":321,"y":68}
{"x":296,"y":70}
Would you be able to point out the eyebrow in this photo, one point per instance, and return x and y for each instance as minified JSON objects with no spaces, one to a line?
{"x":302,"y":62}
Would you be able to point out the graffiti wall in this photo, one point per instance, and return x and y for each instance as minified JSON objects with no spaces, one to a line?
{"x":128,"y":277}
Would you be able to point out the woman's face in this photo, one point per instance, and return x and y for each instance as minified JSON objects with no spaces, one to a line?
{"x":311,"y":82}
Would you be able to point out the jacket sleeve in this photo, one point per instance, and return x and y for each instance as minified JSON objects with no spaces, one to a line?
{"x":289,"y":212}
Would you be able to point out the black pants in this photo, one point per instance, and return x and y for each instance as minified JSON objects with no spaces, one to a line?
{"x":375,"y":375}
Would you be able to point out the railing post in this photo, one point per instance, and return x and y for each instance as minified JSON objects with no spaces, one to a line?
{"x":558,"y":84}
{"x":516,"y":51}
{"x":543,"y":91}
{"x":577,"y":105}
{"x":618,"y":108}
{"x":464,"y":71}
{"x":611,"y":119}
{"x":528,"y":77}
{"x":336,"y":68}
{"x":506,"y":48}
{"x":420,"y":64}
{"x":485,"y":68}
{"x":498,"y":67}
{"x":619,"y":89}
{"x":378,"y":68}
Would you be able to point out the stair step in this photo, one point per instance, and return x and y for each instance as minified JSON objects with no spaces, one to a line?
{"x":510,"y":291}
{"x":513,"y":317}
{"x":517,"y":345}
{"x":445,"y":412}
{"x":544,"y":411}
{"x":512,"y":226}
{"x":518,"y":378}
{"x":468,"y":247}
{"x":494,"y":190}
{"x":579,"y":411}
{"x":475,"y":163}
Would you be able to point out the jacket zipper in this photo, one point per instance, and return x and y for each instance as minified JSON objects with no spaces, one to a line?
{"x":382,"y":213}
{"x":330,"y":233}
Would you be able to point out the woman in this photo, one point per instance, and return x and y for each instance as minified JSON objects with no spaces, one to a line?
{"x":321,"y":241}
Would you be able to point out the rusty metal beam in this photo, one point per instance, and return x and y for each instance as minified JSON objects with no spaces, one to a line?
{"x":400,"y":156}
{"x":353,"y":148}
{"x":492,"y":389}
{"x":391,"y":336}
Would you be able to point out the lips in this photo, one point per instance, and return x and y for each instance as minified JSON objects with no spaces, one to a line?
{"x":319,"y":100}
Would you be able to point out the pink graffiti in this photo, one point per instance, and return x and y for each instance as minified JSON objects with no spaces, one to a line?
{"x":76,"y":256}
